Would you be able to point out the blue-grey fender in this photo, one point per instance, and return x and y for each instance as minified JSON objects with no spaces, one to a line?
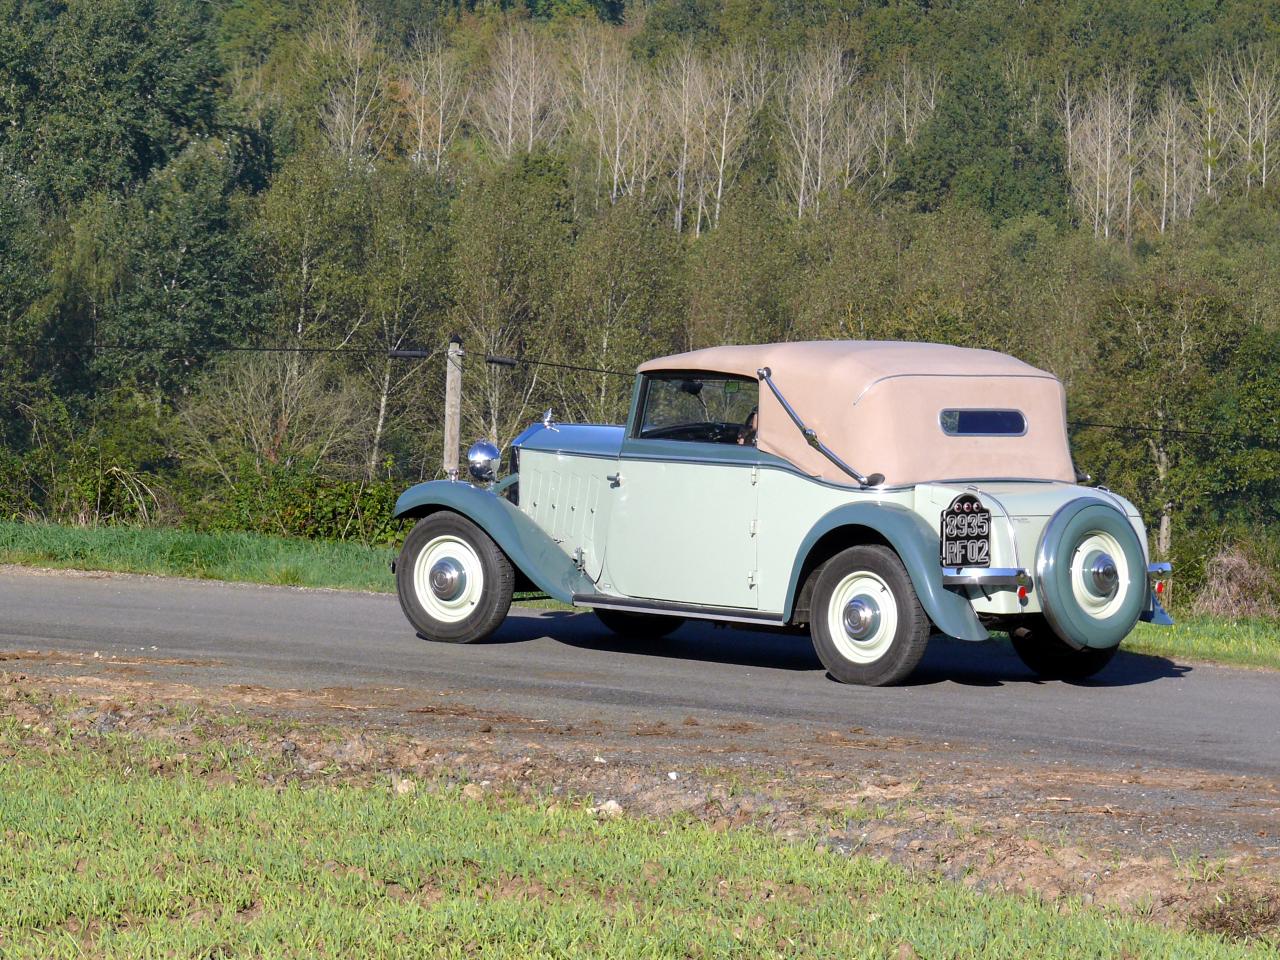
{"x":526,"y":545}
{"x":916,"y":545}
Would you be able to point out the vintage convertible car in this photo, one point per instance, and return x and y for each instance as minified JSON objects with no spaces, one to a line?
{"x":735,"y":493}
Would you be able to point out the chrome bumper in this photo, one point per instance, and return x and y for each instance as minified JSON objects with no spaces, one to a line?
{"x":1008,"y":578}
{"x":1155,"y":612}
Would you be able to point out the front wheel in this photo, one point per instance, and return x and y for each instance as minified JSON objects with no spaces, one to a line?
{"x":867,"y":624}
{"x":454,"y":582}
{"x":1051,"y":657}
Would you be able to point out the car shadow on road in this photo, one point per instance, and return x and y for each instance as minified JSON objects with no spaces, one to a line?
{"x":989,"y":664}
{"x":993,"y":663}
{"x":693,"y":641}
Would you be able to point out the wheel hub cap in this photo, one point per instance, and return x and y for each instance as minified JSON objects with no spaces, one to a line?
{"x":1103,"y":577}
{"x":447,"y":578}
{"x":861,"y":617}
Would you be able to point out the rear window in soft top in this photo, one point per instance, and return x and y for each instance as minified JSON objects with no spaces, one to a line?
{"x":983,"y":423}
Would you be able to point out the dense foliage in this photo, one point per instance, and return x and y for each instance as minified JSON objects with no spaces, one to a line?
{"x":1090,"y":186}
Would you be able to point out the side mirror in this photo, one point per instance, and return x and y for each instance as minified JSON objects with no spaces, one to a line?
{"x":483,"y":460}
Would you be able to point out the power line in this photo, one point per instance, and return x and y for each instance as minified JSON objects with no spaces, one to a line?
{"x":181,"y":350}
{"x":499,"y":361}
{"x":1257,"y":439}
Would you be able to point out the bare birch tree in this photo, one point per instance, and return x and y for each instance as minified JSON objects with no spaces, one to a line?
{"x":737,"y":83}
{"x":1105,"y":152}
{"x":437,"y":94}
{"x":814,"y":85}
{"x":856,"y":140}
{"x":914,"y":93}
{"x":1170,"y":160}
{"x":1068,"y":98}
{"x":685,"y":97}
{"x":355,"y":110}
{"x":619,"y":111}
{"x":1254,"y":88}
{"x":518,"y":107}
{"x":1214,"y":123}
{"x":882,"y":133}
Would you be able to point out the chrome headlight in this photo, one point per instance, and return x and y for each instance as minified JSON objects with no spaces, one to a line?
{"x":483,"y":460}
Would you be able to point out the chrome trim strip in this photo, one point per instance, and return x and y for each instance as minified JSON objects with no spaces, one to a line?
{"x":1013,"y":534}
{"x":810,"y":436}
{"x":693,"y":611}
{"x":1155,"y":569}
{"x":1009,"y":577}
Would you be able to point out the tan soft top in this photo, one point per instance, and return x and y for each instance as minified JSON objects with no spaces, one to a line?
{"x":876,"y":404}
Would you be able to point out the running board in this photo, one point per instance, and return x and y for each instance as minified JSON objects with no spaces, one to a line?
{"x":691,"y":610}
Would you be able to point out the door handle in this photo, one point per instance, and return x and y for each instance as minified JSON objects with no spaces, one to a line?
{"x":615,"y":479}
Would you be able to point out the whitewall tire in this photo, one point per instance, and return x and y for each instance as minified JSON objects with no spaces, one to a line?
{"x":454,"y":582}
{"x":867,"y":624}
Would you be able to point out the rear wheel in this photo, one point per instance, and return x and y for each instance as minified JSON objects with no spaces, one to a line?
{"x":866,"y":622}
{"x":1051,"y":657}
{"x":454,"y":582}
{"x":638,"y":626}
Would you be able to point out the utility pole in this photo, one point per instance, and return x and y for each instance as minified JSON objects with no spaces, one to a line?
{"x":452,"y":406}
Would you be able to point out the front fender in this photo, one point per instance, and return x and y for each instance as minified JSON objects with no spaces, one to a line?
{"x":526,"y":545}
{"x":916,"y":545}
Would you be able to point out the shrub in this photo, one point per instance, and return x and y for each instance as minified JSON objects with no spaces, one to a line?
{"x":1240,"y":581}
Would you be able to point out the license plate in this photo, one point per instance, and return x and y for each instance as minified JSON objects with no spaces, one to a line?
{"x":966,"y":533}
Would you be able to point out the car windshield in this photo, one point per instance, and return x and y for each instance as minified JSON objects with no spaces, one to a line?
{"x":705,"y":408}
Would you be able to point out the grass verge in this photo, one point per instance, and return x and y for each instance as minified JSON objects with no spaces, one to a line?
{"x":253,"y":558}
{"x":1251,"y":643}
{"x":246,"y":557}
{"x":123,"y":845}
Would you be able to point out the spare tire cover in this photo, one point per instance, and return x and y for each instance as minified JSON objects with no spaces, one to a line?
{"x":1092,"y":574}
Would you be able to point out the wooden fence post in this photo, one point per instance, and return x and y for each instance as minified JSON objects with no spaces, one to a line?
{"x":452,"y":406}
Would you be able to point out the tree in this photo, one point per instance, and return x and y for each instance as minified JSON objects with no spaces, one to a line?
{"x":511,"y":229}
{"x":1171,"y":160}
{"x":617,"y":307}
{"x":187,"y":279}
{"x":438,"y":94}
{"x":405,"y":287}
{"x":519,"y":104}
{"x":1254,"y":86}
{"x":127,"y":86}
{"x":814,"y":86}
{"x":1161,"y":346}
{"x":352,"y":72}
{"x":978,"y":149}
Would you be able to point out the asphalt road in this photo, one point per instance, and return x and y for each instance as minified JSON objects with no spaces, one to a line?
{"x":1144,"y":711}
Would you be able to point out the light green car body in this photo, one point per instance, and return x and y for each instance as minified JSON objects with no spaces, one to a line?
{"x":598,"y":517}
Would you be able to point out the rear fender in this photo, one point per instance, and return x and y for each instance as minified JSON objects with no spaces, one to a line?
{"x":526,"y":545}
{"x":916,"y":545}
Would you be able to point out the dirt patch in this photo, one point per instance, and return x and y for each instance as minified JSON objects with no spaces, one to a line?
{"x":63,"y":657}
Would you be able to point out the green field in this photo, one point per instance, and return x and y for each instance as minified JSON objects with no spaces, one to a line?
{"x":121,"y":846}
{"x":277,"y":560}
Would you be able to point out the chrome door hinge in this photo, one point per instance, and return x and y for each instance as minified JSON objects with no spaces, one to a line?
{"x":751,"y":579}
{"x":754,"y":527}
{"x":755,"y":475}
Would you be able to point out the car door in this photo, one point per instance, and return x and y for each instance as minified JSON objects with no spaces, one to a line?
{"x":682,"y":524}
